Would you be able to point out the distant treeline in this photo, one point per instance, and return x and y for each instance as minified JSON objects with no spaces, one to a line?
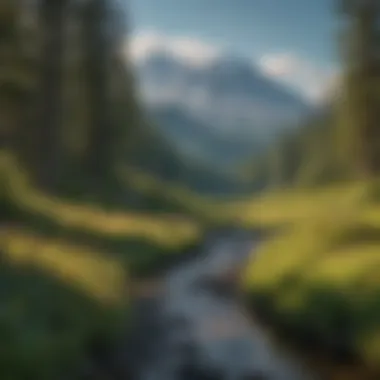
{"x":342,"y":141}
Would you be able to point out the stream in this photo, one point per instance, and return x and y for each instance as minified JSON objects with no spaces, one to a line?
{"x":192,"y":328}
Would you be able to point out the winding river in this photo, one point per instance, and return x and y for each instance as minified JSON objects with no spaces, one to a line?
{"x":189,"y":328}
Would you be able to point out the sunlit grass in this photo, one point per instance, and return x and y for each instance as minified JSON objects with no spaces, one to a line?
{"x":167,"y":230}
{"x":97,"y":275}
{"x":199,"y":206}
{"x":348,"y":267}
{"x":324,"y":265}
{"x":271,"y":209}
{"x":67,"y":261}
{"x":322,"y":268}
{"x":59,"y":296}
{"x":292,"y":206}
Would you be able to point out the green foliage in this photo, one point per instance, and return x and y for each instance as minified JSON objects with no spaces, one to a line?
{"x":343,"y":141}
{"x":51,"y":309}
{"x":67,"y":273}
{"x":318,"y":278}
{"x":307,"y":157}
{"x":71,"y":247}
{"x":361,"y":87}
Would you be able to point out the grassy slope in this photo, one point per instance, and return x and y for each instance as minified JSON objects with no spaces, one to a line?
{"x":58,"y":297}
{"x":320,"y":276}
{"x":207,"y":210}
{"x":110,"y":229}
{"x":66,"y":268}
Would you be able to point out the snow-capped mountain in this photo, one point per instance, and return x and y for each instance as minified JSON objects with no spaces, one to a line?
{"x":229,"y":96}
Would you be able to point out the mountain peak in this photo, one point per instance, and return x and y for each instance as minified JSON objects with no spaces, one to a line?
{"x":229,"y":93}
{"x":230,"y":62}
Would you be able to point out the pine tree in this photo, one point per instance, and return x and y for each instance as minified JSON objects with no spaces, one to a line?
{"x":114,"y":118}
{"x":362,"y":101}
{"x":97,"y":64}
{"x":49,"y":138}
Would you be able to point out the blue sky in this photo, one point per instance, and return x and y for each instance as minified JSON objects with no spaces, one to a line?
{"x":248,"y":26}
{"x":293,"y":30}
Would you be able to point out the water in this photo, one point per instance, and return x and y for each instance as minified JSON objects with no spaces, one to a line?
{"x":191,"y":321}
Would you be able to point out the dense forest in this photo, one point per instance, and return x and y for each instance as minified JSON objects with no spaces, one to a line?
{"x":341,"y":140}
{"x":75,"y":228}
{"x":69,"y":97}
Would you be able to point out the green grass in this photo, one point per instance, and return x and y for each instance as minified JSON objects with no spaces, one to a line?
{"x":66,"y":267}
{"x":214,"y":211}
{"x":320,"y":275}
{"x":57,"y":296}
{"x":98,"y":275}
{"x":144,"y":241}
{"x":165,"y":230}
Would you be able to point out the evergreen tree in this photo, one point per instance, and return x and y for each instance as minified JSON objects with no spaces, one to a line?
{"x":362,"y":83}
{"x":97,"y":71}
{"x":49,"y":139}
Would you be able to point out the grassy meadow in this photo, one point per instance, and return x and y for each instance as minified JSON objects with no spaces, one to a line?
{"x":318,"y":277}
{"x":59,"y":297}
{"x":68,"y":269}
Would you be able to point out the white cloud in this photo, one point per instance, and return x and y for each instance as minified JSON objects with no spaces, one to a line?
{"x":191,"y":50}
{"x":314,"y":81}
{"x":143,"y":44}
{"x":278,"y":65}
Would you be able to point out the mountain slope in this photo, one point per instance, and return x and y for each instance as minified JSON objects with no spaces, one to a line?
{"x":229,"y":93}
{"x":221,"y":112}
{"x":201,"y":142}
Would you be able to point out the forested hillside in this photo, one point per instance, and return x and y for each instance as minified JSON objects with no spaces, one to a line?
{"x":75,"y":234}
{"x":305,"y":157}
{"x":340,"y":141}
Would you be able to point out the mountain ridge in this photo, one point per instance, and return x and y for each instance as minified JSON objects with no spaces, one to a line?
{"x":230,"y":98}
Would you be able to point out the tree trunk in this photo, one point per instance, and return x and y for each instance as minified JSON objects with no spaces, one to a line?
{"x":363,"y":62}
{"x":49,"y":139}
{"x":100,"y":144}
